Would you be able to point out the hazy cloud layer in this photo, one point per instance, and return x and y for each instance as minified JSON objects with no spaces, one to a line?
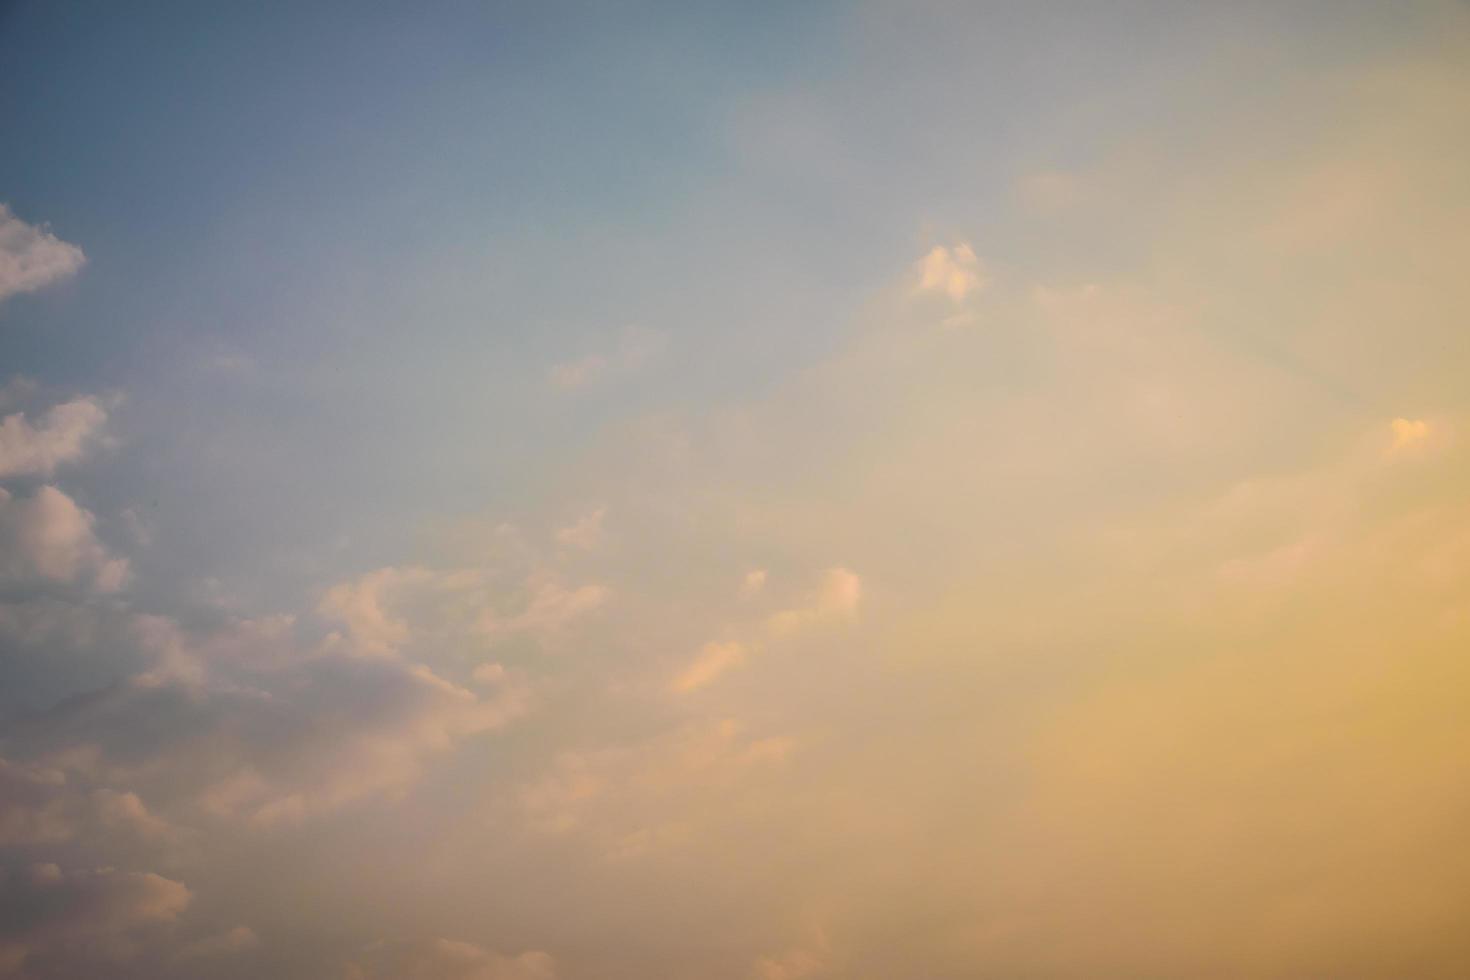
{"x":1030,"y":537}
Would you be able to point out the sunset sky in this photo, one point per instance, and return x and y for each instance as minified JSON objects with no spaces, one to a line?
{"x":891,"y":490}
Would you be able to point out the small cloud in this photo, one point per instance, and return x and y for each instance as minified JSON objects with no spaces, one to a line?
{"x":837,"y":598}
{"x":585,"y":532}
{"x":713,"y":660}
{"x":955,"y":272}
{"x":802,"y":963}
{"x":1409,"y":433}
{"x":240,"y":939}
{"x":753,"y":583}
{"x":576,"y":374}
{"x":31,"y":257}
{"x":635,"y":348}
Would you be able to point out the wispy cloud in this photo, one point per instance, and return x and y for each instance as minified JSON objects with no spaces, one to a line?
{"x":635,"y":348}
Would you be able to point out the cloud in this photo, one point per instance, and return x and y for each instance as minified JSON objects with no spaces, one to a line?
{"x":53,"y":922}
{"x":386,"y":722}
{"x":42,"y":805}
{"x":257,"y":740}
{"x":713,"y":660}
{"x":31,"y":257}
{"x":636,"y":347}
{"x":406,"y":608}
{"x":363,"y":606}
{"x":231,"y":942}
{"x":48,"y":537}
{"x":954,"y":273}
{"x":61,"y":436}
{"x":446,"y":959}
{"x":1409,"y":433}
{"x":753,"y":583}
{"x":630,"y":797}
{"x":585,"y":532}
{"x":798,"y":964}
{"x":837,"y":598}
{"x":489,"y":674}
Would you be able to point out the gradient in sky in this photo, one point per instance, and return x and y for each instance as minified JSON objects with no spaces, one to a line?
{"x":746,"y":491}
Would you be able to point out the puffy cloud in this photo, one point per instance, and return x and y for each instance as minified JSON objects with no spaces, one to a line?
{"x":31,"y":257}
{"x":56,"y":923}
{"x":713,"y":660}
{"x":362,"y":605}
{"x":447,"y":959}
{"x":954,"y":273}
{"x":47,"y":536}
{"x":61,"y":436}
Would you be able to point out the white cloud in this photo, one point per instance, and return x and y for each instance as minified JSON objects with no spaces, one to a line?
{"x":31,"y":257}
{"x":47,"y":536}
{"x":955,"y":272}
{"x":62,"y":435}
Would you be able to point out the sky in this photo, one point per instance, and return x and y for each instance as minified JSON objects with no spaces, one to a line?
{"x":704,"y":491}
